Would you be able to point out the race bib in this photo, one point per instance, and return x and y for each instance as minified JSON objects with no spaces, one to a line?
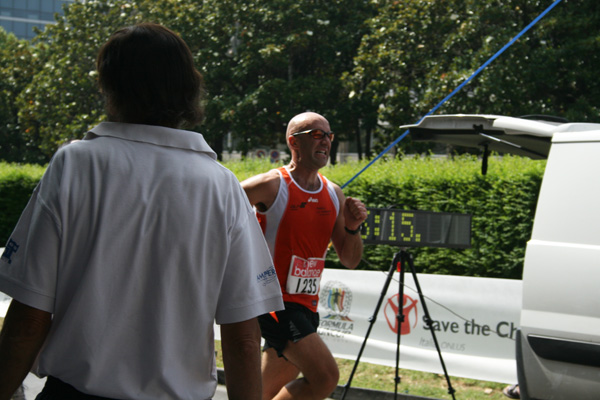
{"x":304,"y":276}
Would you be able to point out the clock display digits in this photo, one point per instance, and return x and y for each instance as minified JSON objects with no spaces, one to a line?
{"x":407,"y":220}
{"x":416,"y":228}
{"x":392,"y":235}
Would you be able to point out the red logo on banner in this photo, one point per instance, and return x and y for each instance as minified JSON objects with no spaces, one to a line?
{"x":409,"y":309}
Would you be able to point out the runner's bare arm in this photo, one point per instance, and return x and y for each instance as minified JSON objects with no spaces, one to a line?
{"x":349,"y":247}
{"x":24,"y":331}
{"x":262,"y":189}
{"x":240,"y":343}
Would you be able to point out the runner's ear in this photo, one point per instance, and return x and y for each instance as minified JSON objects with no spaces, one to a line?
{"x":293,"y":142}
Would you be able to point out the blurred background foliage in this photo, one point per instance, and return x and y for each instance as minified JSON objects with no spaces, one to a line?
{"x":369,"y":66}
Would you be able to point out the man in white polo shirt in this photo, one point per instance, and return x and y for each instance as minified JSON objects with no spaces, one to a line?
{"x":133,"y":243}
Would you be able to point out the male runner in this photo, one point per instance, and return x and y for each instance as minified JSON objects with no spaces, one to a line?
{"x":300,"y":212}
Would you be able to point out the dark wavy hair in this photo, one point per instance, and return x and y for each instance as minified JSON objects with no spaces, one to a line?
{"x":147,"y":75}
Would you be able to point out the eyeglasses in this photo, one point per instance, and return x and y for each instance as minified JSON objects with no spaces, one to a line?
{"x":315,"y":134}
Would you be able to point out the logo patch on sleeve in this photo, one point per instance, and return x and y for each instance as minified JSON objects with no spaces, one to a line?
{"x":266,"y":277}
{"x":11,"y":248}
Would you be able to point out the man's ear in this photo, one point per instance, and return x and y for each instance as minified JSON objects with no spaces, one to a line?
{"x":293,"y":142}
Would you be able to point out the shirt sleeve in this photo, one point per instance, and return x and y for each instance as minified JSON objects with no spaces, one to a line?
{"x":250,"y":287}
{"x":29,"y":263}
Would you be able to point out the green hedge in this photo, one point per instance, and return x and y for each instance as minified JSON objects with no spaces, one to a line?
{"x":502,"y":203}
{"x":17,"y":182}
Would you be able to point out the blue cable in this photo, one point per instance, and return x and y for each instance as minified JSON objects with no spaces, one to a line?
{"x":506,"y":46}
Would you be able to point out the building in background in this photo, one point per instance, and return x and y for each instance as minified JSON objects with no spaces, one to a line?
{"x":21,"y":16}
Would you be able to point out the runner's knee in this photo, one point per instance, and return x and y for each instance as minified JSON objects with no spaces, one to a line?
{"x":324,"y":382}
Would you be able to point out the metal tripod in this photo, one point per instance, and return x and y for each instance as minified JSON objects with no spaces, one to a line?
{"x":401,"y":259}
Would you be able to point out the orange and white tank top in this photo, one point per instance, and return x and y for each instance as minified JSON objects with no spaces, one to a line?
{"x":298,"y":228}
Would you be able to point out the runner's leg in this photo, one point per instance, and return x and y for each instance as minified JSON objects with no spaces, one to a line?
{"x":319,"y":369}
{"x":276,"y":373}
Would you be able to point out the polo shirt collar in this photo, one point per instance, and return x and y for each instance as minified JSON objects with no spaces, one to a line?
{"x":158,"y":135}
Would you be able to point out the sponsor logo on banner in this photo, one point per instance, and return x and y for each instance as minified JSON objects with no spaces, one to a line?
{"x":335,"y":301}
{"x":409,"y":310}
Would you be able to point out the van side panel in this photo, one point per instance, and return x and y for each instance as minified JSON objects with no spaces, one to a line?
{"x":560,"y":319}
{"x":567,"y":209}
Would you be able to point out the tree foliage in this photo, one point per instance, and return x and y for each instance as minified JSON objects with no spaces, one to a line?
{"x":547,"y":71}
{"x":417,"y":52}
{"x":263,"y":62}
{"x":18,"y":61}
{"x":62,"y":101}
{"x":369,"y":66}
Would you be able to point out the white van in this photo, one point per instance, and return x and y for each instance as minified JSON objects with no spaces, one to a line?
{"x":558,"y":350}
{"x":558,"y":347}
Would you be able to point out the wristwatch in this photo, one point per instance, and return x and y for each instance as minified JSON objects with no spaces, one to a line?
{"x":353,"y":232}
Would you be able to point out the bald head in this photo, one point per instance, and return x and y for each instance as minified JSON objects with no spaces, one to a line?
{"x":306,"y":121}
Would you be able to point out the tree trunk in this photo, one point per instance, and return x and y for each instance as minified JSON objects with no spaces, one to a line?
{"x":358,"y":144}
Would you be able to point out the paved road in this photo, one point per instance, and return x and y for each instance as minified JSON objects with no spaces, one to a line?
{"x":34,"y":385}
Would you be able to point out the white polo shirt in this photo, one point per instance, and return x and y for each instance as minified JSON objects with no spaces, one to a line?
{"x":137,"y":240}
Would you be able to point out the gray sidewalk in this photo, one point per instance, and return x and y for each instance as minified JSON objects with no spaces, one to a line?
{"x":34,"y":385}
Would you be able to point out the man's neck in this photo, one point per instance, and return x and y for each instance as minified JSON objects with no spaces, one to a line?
{"x":307,"y":179}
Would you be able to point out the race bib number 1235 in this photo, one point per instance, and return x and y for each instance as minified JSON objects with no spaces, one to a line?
{"x":305,"y":275}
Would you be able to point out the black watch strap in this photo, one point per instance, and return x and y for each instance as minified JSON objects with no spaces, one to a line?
{"x":352,"y":232}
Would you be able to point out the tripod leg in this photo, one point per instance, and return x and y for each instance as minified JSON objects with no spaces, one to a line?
{"x":451,"y":390}
{"x":372,"y":321}
{"x":401,"y":318}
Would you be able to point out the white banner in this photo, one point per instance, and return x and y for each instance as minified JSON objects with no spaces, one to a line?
{"x":474,"y":319}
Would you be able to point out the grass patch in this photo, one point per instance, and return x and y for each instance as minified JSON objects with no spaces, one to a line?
{"x":416,"y":383}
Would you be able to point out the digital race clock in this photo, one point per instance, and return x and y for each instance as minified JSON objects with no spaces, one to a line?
{"x":406,"y":228}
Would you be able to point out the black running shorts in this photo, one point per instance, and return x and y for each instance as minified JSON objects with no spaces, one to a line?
{"x":293,"y":323}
